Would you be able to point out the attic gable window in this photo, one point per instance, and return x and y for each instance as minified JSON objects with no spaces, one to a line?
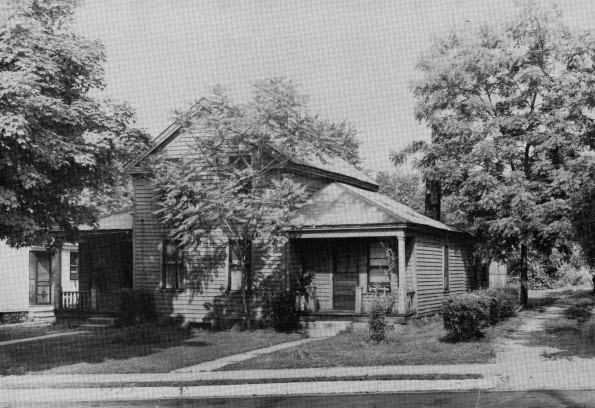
{"x":241,"y":162}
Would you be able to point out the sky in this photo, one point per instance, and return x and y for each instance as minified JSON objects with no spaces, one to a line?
{"x":354,"y":59}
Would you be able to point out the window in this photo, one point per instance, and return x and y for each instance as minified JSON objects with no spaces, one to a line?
{"x":173,"y":266}
{"x":74,"y":266}
{"x":241,"y":162}
{"x":235,"y":266}
{"x":446,"y":268}
{"x":378,"y":267}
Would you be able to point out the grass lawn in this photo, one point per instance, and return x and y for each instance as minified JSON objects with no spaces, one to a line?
{"x":110,"y":352}
{"x":13,"y":332}
{"x":420,"y":342}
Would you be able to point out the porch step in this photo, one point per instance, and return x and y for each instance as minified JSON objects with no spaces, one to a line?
{"x":326,"y":328}
{"x":42,"y":314}
{"x":100,"y":323}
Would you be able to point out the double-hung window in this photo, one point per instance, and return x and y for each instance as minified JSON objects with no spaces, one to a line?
{"x":446,"y":267}
{"x":378,"y":267}
{"x":236,"y":269}
{"x":74,"y":266}
{"x":173,"y":266}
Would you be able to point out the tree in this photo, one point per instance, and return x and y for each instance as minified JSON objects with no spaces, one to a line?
{"x":405,"y":187}
{"x":582,"y":204}
{"x":62,"y":148}
{"x":509,"y":107}
{"x":231,"y":189}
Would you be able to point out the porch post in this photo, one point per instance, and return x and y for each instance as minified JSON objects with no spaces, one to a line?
{"x":401,"y":291}
{"x":57,"y":278}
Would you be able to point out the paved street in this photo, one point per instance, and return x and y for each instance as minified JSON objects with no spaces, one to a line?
{"x":475,"y":399}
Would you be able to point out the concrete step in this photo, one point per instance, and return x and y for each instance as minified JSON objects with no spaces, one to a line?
{"x":327,"y":328}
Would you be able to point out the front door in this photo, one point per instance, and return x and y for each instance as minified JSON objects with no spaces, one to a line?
{"x":40,"y":278}
{"x":345,"y":275}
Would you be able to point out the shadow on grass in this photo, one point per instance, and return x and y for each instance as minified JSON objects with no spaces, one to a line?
{"x":566,"y":336}
{"x":93,"y":348}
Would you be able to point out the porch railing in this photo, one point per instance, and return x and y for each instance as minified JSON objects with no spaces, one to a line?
{"x":79,"y":300}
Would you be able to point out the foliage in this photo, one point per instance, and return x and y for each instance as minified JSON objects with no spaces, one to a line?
{"x":588,"y":332}
{"x":504,"y":303}
{"x":466,"y":315}
{"x":63,"y":149}
{"x":305,"y":279}
{"x":377,"y":321}
{"x":231,"y":186}
{"x":509,"y":108}
{"x":583,"y":207}
{"x":580,"y":310}
{"x":405,"y":187}
{"x":135,"y":307}
{"x":280,"y":312}
{"x":13,"y":317}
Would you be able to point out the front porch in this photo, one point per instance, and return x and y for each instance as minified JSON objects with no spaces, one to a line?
{"x":350,"y":272}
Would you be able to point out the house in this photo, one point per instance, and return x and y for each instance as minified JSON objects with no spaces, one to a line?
{"x":342,"y":234}
{"x":39,"y":283}
{"x":33,"y":278}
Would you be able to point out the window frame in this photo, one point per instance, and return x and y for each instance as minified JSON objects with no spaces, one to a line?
{"x":446,"y":268}
{"x":231,"y":264}
{"x":177,"y":262}
{"x":77,"y":265}
{"x":383,"y":267}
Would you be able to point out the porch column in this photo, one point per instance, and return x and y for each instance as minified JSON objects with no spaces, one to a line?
{"x":57,"y":278}
{"x":401,"y":291}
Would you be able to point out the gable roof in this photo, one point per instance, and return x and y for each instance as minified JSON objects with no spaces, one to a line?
{"x":334,"y":168}
{"x":341,"y":205}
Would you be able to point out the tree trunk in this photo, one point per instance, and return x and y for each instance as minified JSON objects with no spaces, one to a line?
{"x":524,"y":276}
{"x":245,"y":303}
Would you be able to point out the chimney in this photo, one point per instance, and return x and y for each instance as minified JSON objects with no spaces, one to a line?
{"x":433,"y":198}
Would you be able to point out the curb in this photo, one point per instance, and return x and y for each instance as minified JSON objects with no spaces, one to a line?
{"x":243,"y":390}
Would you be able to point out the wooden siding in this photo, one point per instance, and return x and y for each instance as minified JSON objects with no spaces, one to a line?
{"x":430,"y":278}
{"x":14,"y":269}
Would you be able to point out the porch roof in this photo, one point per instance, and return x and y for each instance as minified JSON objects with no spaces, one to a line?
{"x":342,"y":206}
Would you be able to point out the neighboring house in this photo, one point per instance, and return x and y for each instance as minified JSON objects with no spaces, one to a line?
{"x":33,"y":277}
{"x":39,"y":282}
{"x":341,"y":234}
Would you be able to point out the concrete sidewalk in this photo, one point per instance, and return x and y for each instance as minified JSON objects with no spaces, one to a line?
{"x":517,"y":367}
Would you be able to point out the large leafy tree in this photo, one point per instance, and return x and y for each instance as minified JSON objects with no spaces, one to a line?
{"x":509,"y":106}
{"x":404,"y":186}
{"x":231,"y":187}
{"x":62,"y":148}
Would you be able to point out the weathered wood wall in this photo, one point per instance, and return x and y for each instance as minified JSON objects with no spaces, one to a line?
{"x":430,"y":273}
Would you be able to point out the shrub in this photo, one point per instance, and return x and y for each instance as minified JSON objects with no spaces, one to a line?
{"x":581,"y":310}
{"x":504,"y":302}
{"x":377,"y":322}
{"x":13,"y":317}
{"x":135,"y":307}
{"x":280,"y":312}
{"x":466,"y":315}
{"x":588,"y":332}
